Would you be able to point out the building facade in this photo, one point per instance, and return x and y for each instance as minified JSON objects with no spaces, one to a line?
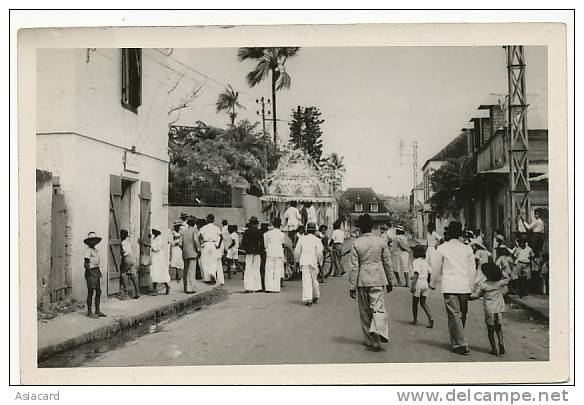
{"x":102,"y":129}
{"x":363,"y":200}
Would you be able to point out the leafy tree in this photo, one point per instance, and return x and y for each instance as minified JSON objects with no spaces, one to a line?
{"x":447,"y":182}
{"x":269,"y":61}
{"x":228,"y":102}
{"x":207,"y":156}
{"x":296,"y":128}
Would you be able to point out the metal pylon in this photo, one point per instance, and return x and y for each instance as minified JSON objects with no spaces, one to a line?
{"x":518,"y":135}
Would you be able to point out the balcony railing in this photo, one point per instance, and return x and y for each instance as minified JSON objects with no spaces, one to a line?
{"x":199,"y":197}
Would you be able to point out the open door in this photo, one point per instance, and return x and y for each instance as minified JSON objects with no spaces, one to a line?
{"x":144,"y":241}
{"x":115,"y":243}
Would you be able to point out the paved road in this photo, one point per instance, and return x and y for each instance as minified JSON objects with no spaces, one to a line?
{"x":276,"y":328}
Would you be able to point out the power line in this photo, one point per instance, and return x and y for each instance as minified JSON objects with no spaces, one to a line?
{"x":206,"y":76}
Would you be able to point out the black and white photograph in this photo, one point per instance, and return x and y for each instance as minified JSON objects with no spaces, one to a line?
{"x":306,"y":204}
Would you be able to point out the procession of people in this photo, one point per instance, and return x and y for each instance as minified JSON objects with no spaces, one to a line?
{"x":458,"y":262}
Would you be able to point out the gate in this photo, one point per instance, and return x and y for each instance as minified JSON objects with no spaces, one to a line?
{"x":57,"y":280}
{"x":114,"y":241}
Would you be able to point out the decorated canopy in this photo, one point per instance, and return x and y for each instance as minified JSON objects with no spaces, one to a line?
{"x":297,"y":178}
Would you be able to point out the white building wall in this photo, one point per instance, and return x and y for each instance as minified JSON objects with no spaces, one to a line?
{"x":83,"y":131}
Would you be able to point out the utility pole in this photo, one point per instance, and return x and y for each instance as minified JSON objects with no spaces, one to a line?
{"x":414,"y":156}
{"x":262,"y":101}
{"x":518,"y":136}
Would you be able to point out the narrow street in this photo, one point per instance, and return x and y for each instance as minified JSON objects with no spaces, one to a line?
{"x":277,"y":329}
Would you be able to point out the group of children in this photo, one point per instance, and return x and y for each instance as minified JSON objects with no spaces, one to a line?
{"x":505,"y":271}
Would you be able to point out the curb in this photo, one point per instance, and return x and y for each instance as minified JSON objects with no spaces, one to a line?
{"x":123,"y":323}
{"x":534,"y":312}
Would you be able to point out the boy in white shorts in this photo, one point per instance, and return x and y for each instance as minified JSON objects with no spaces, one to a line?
{"x":419,"y":287}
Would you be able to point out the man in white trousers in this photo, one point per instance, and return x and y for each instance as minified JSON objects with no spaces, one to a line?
{"x":211,"y":242}
{"x":309,"y":254}
{"x":273,"y":241}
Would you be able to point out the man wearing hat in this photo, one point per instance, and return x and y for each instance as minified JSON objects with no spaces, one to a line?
{"x":176,"y":256}
{"x":458,"y":275}
{"x":183,"y":221}
{"x":211,"y":239}
{"x":370,"y":275}
{"x":309,"y":254}
{"x":91,"y":263}
{"x":403,"y":252}
{"x":190,"y":252}
{"x":251,"y":243}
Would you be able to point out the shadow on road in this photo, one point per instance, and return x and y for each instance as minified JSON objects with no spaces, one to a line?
{"x":446,"y":346}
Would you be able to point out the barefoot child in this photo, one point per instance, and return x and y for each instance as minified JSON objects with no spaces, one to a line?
{"x":419,"y":288}
{"x":492,"y":292}
{"x":92,"y":274}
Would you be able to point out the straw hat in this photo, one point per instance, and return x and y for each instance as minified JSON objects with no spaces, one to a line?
{"x":311,"y":226}
{"x":92,"y":236}
{"x":400,"y":228}
{"x":177,"y":222}
{"x":183,"y":216}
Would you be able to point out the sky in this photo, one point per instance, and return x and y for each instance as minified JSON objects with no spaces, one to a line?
{"x":371,"y":98}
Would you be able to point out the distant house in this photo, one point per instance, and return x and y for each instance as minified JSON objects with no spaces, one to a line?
{"x":363,"y":200}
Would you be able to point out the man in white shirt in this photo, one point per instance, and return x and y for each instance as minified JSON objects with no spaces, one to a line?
{"x":311,"y":212}
{"x":432,"y":240}
{"x":537,"y":229}
{"x":273,"y":241}
{"x":309,"y":254}
{"x":293,"y":218}
{"x":337,"y":241}
{"x":211,"y":239}
{"x":457,"y":268}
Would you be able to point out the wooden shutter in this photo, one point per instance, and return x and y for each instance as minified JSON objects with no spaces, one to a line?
{"x":57,"y":281}
{"x":144,"y":241}
{"x":114,"y":244}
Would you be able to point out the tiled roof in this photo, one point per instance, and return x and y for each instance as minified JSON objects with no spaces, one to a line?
{"x":364,"y":195}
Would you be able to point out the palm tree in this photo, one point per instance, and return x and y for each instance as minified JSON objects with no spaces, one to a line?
{"x":335,"y":169}
{"x":269,"y":60}
{"x":227,"y":101}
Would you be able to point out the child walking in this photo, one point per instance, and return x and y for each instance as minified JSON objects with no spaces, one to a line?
{"x":491,"y":290}
{"x":232,"y":249}
{"x":92,"y":274}
{"x":523,"y":255}
{"x":419,"y":288}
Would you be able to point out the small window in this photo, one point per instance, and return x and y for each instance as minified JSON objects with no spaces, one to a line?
{"x":374,"y":207}
{"x":132,"y":78}
{"x":359,"y":207}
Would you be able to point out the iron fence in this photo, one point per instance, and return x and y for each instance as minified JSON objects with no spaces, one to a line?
{"x":199,"y":197}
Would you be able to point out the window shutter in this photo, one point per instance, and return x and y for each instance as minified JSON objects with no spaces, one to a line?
{"x":114,"y":240}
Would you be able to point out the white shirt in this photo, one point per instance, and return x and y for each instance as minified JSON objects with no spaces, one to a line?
{"x":126,"y":247}
{"x":210,"y":233}
{"x":523,"y":255}
{"x":433,"y":239}
{"x":273,"y":241}
{"x":458,"y":267}
{"x":93,"y":255}
{"x":234,"y":238}
{"x":292,"y":216}
{"x":309,"y":251}
{"x":536,"y":226}
{"x":421,"y":267}
{"x":311,"y":211}
{"x":338,"y":236}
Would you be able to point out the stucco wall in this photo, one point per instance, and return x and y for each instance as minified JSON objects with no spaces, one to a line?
{"x":44,"y":193}
{"x":86,"y":185}
{"x":83,"y":130}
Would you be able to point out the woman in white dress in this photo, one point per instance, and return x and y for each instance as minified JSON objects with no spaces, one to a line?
{"x":176,"y":259}
{"x":159,"y":267}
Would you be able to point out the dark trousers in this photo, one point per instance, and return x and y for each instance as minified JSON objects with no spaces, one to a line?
{"x":456,"y":309}
{"x":263,"y":258}
{"x":337,"y":252}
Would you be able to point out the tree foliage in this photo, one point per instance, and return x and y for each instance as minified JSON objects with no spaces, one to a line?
{"x":305,"y":131}
{"x":269,"y":61}
{"x":447,"y":182}
{"x":210,"y":156}
{"x":334,"y":170}
{"x":228,"y":102}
